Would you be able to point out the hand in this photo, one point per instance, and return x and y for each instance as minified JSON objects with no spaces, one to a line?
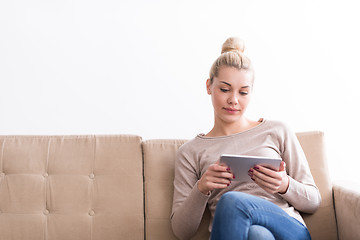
{"x":216,"y":176}
{"x":269,"y":180}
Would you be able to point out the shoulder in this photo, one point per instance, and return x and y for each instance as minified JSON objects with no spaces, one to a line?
{"x":278,"y":126}
{"x":280,"y":129}
{"x":189,"y":148}
{"x":187,"y":156}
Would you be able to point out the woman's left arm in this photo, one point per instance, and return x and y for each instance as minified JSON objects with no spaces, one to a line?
{"x":304,"y":197}
{"x":293,"y":181}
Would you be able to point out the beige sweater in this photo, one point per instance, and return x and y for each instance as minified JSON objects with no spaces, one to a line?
{"x":270,"y":139}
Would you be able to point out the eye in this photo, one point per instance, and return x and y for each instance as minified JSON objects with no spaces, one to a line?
{"x":224,"y":90}
{"x":243,"y":93}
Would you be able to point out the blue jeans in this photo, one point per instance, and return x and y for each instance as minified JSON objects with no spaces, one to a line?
{"x":243,"y":216}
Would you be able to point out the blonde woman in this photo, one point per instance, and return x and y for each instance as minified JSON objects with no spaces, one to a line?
{"x":266,"y":207}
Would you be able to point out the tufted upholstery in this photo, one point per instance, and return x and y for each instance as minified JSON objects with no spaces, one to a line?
{"x":71,"y":187}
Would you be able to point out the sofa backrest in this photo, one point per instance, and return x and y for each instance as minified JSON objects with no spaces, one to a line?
{"x":321,"y":224}
{"x":94,"y":187}
{"x":71,"y":187}
{"x":159,"y":157}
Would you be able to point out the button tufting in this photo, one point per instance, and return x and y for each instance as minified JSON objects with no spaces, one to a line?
{"x":45,"y":174}
{"x":46,"y":212}
{"x":91,"y":213}
{"x":92,"y":176}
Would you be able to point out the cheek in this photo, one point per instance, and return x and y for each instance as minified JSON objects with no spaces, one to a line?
{"x":245,"y":101}
{"x":218,"y":99}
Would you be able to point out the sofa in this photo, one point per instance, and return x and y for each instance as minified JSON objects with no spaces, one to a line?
{"x":107,"y":187}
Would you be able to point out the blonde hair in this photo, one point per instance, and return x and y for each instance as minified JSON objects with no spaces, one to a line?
{"x":231,"y":56}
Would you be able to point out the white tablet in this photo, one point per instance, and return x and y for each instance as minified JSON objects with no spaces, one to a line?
{"x":239,"y":164}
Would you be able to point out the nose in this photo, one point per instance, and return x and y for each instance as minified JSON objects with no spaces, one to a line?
{"x":233,"y":100}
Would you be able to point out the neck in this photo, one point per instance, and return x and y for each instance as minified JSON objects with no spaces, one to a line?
{"x":226,"y":129}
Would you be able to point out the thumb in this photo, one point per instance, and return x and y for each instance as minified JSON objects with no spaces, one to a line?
{"x":219,"y":163}
{"x":282,"y":166}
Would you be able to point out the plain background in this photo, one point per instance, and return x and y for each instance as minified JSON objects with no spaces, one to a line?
{"x":139,"y":67}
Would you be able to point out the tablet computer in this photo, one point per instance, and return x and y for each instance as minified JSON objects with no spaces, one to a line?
{"x":240,"y":164}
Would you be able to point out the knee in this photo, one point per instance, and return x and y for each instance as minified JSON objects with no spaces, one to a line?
{"x":236,"y":200}
{"x":259,"y":232}
{"x":232,"y":199}
{"x":227,"y":202}
{"x":228,"y":197}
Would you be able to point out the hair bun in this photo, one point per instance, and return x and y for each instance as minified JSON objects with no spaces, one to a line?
{"x":233,"y":44}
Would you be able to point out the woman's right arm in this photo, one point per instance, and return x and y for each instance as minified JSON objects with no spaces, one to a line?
{"x":189,"y":201}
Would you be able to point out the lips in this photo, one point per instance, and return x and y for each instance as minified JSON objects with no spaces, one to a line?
{"x":231,"y":110}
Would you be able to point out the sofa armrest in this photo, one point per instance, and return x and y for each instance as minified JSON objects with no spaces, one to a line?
{"x":347,"y":208}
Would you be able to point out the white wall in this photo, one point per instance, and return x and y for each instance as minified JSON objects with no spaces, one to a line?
{"x":139,"y":67}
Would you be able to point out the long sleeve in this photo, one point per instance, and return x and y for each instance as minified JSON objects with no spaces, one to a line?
{"x":302,"y":193}
{"x":188,"y":203}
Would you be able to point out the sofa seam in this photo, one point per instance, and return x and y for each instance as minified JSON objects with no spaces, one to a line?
{"x":333,"y":200}
{"x":93,"y":187}
{"x":2,"y":155}
{"x":2,"y":163}
{"x":144,"y":190}
{"x":46,"y":187}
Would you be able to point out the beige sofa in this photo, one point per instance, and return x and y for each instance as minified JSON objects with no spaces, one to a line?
{"x":120,"y":187}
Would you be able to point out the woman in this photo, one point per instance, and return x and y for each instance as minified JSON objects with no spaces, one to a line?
{"x":267,"y":206}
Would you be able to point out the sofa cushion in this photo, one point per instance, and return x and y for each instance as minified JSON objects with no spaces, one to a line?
{"x":71,"y":187}
{"x":159,"y":160}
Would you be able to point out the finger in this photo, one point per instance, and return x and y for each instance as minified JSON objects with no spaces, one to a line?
{"x":213,"y":182}
{"x":220,"y":163}
{"x":274,"y":178}
{"x":219,"y":168}
{"x":224,"y":165}
{"x":211,"y":175}
{"x":268,"y":182}
{"x":266,"y":171}
{"x":266,"y":186}
{"x":220,"y":180}
{"x":226,"y":175}
{"x":209,"y":186}
{"x":227,"y":168}
{"x":218,"y":185}
{"x":282,"y":166}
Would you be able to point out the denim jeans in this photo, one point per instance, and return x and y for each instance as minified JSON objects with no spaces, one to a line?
{"x":243,"y":216}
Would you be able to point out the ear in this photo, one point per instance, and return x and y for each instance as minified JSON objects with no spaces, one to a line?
{"x":208,"y":84}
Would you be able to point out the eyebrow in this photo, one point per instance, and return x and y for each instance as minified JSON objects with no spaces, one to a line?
{"x":230,"y":84}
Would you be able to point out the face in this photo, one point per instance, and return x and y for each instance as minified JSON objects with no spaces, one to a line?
{"x":230,"y":93}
